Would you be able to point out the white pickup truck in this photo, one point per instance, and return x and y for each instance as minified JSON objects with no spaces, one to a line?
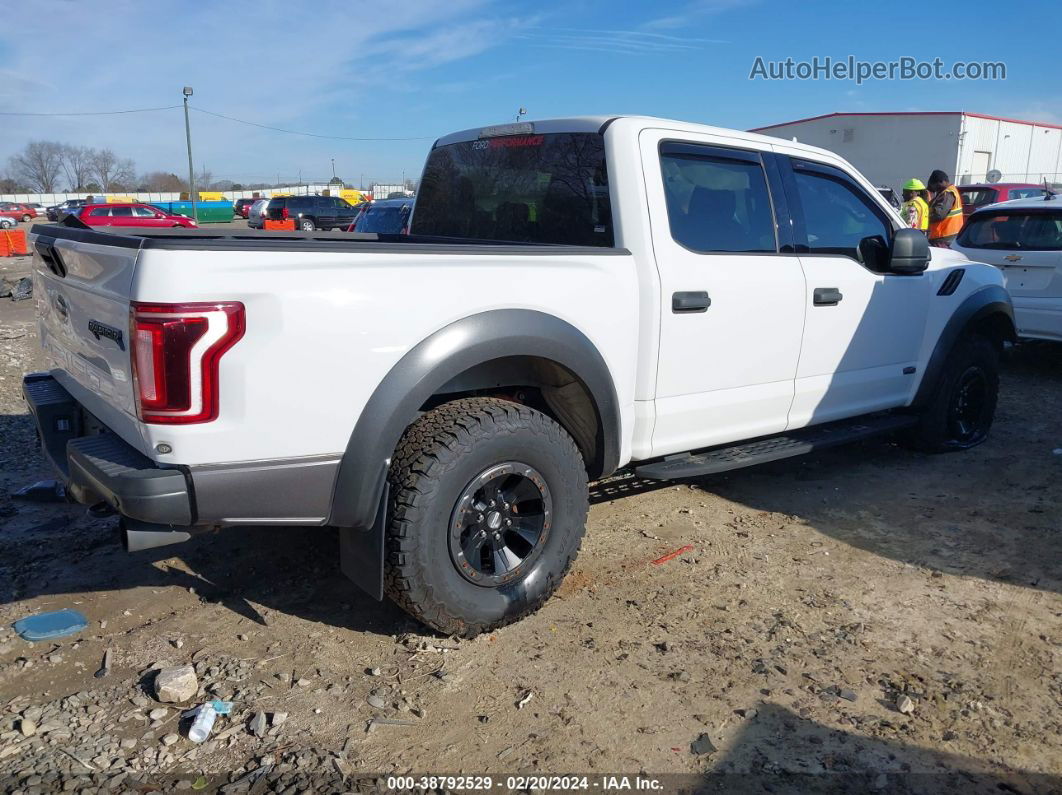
{"x":576,"y":296}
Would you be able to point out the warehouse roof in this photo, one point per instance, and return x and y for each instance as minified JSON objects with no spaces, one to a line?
{"x":910,"y":113}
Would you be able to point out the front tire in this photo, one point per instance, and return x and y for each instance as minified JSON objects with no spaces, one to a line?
{"x":960,"y":412}
{"x":488,"y":507}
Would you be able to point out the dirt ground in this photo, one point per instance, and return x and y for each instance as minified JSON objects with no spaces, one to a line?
{"x":817,"y":593}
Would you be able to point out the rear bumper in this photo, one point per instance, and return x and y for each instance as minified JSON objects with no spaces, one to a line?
{"x":102,"y":467}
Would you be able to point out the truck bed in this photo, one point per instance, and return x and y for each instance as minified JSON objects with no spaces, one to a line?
{"x":272,"y":240}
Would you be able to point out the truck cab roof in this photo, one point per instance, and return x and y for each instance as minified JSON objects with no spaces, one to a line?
{"x":589,"y":124}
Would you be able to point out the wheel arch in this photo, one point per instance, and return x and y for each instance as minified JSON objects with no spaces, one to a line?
{"x":987,"y":311}
{"x":485,"y":350}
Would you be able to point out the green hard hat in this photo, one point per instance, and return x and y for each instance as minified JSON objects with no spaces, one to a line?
{"x":914,"y":184}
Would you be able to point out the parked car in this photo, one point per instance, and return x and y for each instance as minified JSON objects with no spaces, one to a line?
{"x":38,"y":209}
{"x":981,"y":195}
{"x":242,"y":206}
{"x":20,"y":212}
{"x":16,"y":211}
{"x":1023,"y":238}
{"x":596,"y":293}
{"x":61,"y":210}
{"x":890,"y":196}
{"x":385,"y":217}
{"x":312,"y":212}
{"x":256,"y":215}
{"x":6,"y":222}
{"x":131,"y":215}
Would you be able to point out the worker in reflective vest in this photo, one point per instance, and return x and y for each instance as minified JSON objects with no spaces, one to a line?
{"x":945,"y":210}
{"x":914,"y":209}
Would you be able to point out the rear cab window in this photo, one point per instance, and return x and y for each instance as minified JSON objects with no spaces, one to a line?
{"x":549,"y":188}
{"x":1013,"y":231}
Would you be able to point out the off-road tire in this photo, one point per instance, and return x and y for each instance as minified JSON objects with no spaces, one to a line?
{"x":936,"y":431}
{"x":436,"y":461}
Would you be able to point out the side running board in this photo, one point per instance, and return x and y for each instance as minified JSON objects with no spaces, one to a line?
{"x":773,"y":448}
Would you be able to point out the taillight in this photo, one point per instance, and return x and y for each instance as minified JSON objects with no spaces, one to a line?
{"x":176,"y":349}
{"x":284,"y":213}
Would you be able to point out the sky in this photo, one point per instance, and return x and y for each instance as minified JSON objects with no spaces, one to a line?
{"x":417,"y":69}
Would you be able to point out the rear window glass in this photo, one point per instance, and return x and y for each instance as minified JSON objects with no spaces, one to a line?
{"x":550,"y":188}
{"x":976,"y":196}
{"x":1014,"y":231}
{"x":1026,"y":193}
{"x":383,"y":220}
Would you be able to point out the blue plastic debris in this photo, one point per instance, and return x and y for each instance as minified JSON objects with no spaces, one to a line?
{"x":56,"y":624}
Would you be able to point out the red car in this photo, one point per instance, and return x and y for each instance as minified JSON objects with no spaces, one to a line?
{"x":130,"y":215}
{"x":20,"y":212}
{"x":977,"y":196}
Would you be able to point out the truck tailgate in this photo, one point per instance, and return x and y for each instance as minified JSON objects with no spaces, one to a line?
{"x":82,"y":292}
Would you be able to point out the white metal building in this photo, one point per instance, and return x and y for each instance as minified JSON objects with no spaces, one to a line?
{"x":890,"y":148}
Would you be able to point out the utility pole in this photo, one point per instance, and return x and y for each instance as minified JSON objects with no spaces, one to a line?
{"x":191,"y":171}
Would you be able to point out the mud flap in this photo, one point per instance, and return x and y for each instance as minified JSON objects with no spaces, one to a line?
{"x":361,"y":551}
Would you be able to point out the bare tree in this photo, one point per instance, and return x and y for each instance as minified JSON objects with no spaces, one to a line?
{"x":111,"y":172}
{"x":77,"y":164}
{"x":162,"y":182}
{"x":39,"y":164}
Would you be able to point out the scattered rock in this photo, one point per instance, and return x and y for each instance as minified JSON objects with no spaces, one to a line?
{"x":905,"y":705}
{"x":374,"y":672}
{"x":27,"y":727}
{"x":241,"y":636}
{"x":158,"y":714}
{"x":174,"y":685}
{"x":170,"y":739}
{"x":376,"y":702}
{"x":258,"y":724}
{"x":847,"y":695}
{"x":278,"y":718}
{"x":703,"y":745}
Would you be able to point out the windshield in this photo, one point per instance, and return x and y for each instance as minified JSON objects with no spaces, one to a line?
{"x":549,"y":188}
{"x":1014,"y":231}
{"x":383,"y":220}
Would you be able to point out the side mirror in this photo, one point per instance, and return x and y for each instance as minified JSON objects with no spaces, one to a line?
{"x":909,"y":253}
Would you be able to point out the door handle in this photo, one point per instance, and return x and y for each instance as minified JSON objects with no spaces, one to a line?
{"x":827,"y":296}
{"x":690,"y":303}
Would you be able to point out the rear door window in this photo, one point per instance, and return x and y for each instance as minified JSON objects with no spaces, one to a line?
{"x":717,"y":199}
{"x":121,"y":212}
{"x":550,"y":188}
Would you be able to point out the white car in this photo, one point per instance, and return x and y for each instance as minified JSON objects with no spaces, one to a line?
{"x":575,"y":296}
{"x":1023,"y":238}
{"x":256,"y":215}
{"x":6,"y":222}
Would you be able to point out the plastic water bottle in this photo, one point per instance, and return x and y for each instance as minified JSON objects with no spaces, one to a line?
{"x":203,"y":723}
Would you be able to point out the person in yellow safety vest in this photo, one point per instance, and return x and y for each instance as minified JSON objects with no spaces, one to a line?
{"x":945,"y":210}
{"x":914,"y":209}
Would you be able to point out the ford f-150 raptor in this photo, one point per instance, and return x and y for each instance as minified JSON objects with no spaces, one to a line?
{"x":575,"y":296}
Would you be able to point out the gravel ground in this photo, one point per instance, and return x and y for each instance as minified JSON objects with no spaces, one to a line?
{"x":867,"y":618}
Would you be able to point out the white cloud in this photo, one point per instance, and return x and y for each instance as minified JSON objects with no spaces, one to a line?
{"x":694,"y":11}
{"x":298,"y":66}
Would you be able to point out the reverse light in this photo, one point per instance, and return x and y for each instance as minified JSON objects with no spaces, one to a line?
{"x":176,"y":349}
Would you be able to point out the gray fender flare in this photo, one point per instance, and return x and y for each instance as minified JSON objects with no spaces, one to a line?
{"x":473,"y":340}
{"x":990,"y":300}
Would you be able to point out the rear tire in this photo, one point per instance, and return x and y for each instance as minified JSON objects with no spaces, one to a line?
{"x":488,"y":507}
{"x":25,"y":219}
{"x":960,"y":412}
{"x":307,"y":225}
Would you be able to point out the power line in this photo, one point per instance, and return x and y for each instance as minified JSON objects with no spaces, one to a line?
{"x":309,"y":135}
{"x":91,"y":113}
